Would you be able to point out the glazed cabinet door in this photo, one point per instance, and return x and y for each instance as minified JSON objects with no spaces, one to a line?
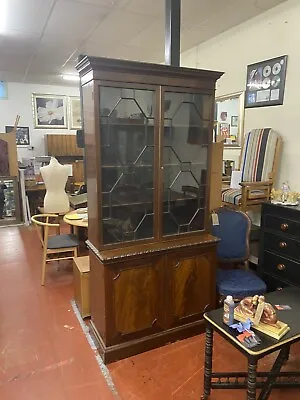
{"x":136,"y":299}
{"x":127,"y":169}
{"x":191,"y":289}
{"x":184,"y":162}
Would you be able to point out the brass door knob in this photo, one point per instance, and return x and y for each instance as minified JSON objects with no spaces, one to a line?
{"x":281,"y":267}
{"x":283,"y":245}
{"x":284,"y":227}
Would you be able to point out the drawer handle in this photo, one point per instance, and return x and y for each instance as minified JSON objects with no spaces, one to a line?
{"x":284,"y":227}
{"x":281,"y":267}
{"x":282,"y":245}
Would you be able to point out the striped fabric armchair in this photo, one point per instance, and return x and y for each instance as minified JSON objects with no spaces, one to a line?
{"x":258,"y":166}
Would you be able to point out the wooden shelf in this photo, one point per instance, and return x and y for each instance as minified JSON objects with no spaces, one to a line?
{"x":138,"y":203}
{"x":148,"y":165}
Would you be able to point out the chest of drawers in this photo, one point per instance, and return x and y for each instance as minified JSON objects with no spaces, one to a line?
{"x":279,"y":259}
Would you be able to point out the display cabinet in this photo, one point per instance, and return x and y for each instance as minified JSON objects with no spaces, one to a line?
{"x":148,"y":133}
{"x":9,"y":201}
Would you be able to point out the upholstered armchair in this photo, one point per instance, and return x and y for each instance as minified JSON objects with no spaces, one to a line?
{"x":258,"y":166}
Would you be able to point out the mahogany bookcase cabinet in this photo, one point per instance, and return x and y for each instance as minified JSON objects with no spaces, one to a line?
{"x":148,"y":133}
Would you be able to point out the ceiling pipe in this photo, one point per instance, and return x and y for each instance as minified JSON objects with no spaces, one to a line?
{"x":172,"y":32}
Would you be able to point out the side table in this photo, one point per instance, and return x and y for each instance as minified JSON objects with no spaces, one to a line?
{"x":248,"y":380}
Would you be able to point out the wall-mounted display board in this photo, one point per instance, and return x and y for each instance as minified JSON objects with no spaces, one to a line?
{"x":265,"y":83}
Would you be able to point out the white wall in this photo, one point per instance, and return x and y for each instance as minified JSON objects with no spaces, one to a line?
{"x":19,"y":103}
{"x":271,"y":34}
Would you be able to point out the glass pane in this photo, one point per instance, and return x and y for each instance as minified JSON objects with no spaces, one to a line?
{"x":7,"y":199}
{"x":127,"y":154}
{"x":186,"y":136}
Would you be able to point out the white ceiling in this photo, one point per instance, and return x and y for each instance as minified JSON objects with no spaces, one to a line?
{"x":41,"y":39}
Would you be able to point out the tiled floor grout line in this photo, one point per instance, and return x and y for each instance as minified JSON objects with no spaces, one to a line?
{"x":104,"y":370}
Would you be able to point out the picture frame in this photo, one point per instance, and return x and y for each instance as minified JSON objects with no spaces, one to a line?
{"x":265,"y":82}
{"x":231,"y":105}
{"x":225,"y":129}
{"x":234,"y":120}
{"x":22,"y":135}
{"x":49,"y":111}
{"x":75,"y":112}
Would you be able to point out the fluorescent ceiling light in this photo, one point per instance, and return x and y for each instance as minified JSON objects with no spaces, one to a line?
{"x":74,"y":78}
{"x":3,"y":15}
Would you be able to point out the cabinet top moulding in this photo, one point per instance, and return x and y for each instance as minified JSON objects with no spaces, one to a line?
{"x":90,"y":68}
{"x":145,"y":249}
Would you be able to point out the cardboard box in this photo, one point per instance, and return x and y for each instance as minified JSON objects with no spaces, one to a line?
{"x":81,"y":269}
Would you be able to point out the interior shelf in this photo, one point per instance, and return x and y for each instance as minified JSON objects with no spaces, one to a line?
{"x":149,"y":165}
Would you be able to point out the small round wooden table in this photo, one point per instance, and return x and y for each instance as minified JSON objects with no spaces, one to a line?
{"x":76,"y":223}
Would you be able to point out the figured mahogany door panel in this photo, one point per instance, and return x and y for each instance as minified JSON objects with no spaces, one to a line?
{"x":192,"y":286}
{"x":136,"y":298}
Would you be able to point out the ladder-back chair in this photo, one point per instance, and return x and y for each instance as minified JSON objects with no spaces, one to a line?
{"x":258,"y":167}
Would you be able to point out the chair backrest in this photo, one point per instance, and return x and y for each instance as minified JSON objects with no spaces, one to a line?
{"x":259,"y":155}
{"x":233,"y":230}
{"x":41,"y":221}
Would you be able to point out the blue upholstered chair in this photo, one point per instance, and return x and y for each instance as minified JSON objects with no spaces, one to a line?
{"x":258,"y":166}
{"x":232,"y":227}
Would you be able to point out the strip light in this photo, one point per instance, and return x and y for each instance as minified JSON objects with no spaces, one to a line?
{"x":73,"y":78}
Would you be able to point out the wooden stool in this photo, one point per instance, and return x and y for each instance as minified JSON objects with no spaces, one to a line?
{"x":81,"y":268}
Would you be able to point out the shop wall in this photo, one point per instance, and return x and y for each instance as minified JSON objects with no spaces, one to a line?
{"x":19,"y":103}
{"x":271,"y":34}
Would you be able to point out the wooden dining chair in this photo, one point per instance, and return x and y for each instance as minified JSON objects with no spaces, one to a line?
{"x":55,"y":247}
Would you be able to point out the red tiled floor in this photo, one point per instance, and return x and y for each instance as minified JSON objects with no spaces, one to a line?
{"x":41,"y":359}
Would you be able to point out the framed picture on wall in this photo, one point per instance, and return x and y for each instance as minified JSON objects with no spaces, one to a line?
{"x":49,"y":111}
{"x":266,"y":82}
{"x":22,"y":135}
{"x":234,"y":120}
{"x":225,"y":129}
{"x":75,"y":113}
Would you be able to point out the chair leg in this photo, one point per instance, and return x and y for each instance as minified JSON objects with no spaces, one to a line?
{"x":44,"y":267}
{"x":58,"y":227}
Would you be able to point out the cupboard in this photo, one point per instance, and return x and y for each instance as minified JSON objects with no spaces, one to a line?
{"x":148,"y":135}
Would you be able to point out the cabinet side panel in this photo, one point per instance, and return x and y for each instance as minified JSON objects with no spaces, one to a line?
{"x":97,"y":299}
{"x":91,"y":162}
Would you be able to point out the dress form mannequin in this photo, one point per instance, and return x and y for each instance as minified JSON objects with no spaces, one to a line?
{"x":55,"y":177}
